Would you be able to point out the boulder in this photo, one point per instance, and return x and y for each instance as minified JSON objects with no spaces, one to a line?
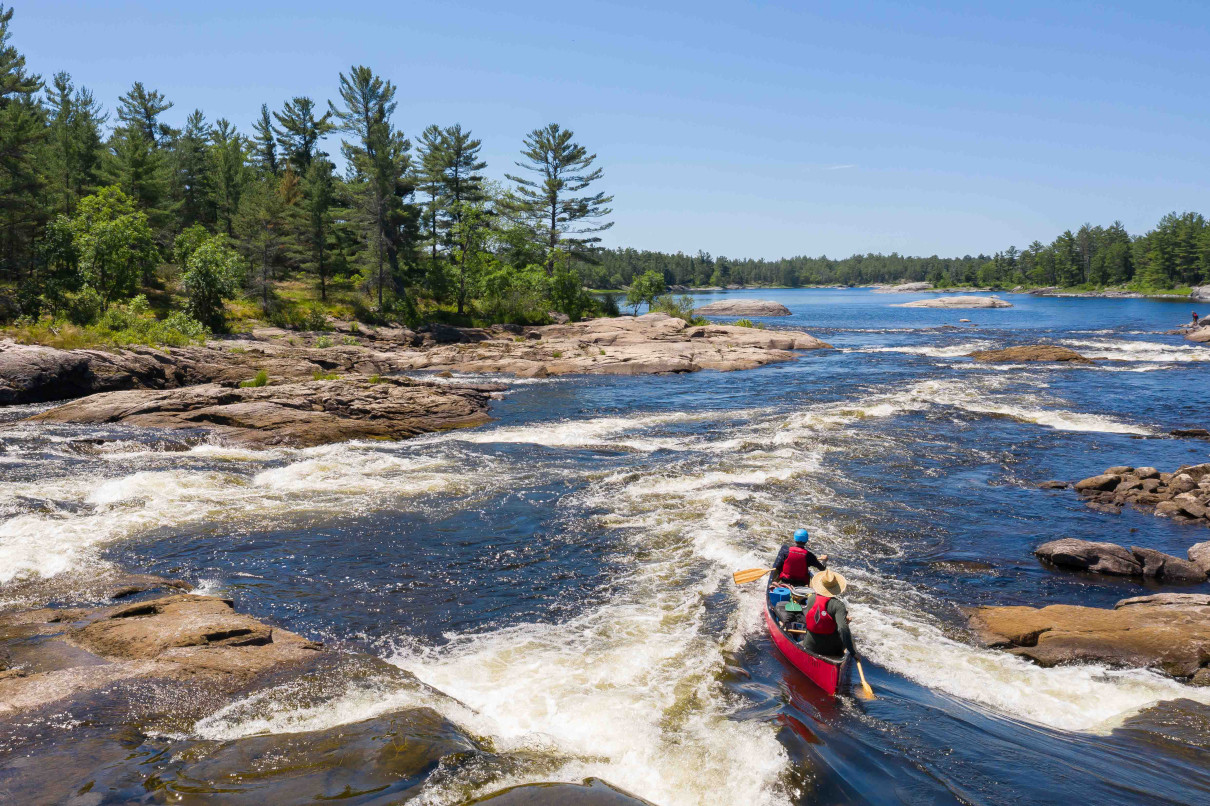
{"x":1085,"y":555}
{"x":1191,"y":433}
{"x":1201,"y":335}
{"x":958,"y":302}
{"x":1146,"y":473}
{"x":1054,"y":485}
{"x":743,"y":307}
{"x":1105,"y":481}
{"x":1199,"y":555}
{"x":1200,"y":293}
{"x":1033,"y":352}
{"x":299,"y":414}
{"x":1166,"y":568}
{"x":1157,"y":632}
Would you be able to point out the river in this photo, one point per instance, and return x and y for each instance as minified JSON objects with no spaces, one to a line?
{"x":565,"y":572}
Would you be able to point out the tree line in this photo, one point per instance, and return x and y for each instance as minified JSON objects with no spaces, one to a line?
{"x":1174,"y":254}
{"x":98,"y":206}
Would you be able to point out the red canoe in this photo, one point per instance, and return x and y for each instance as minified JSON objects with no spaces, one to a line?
{"x":823,"y":670}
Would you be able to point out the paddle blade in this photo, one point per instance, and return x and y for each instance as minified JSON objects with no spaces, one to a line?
{"x":750,"y":575}
{"x":867,"y":693}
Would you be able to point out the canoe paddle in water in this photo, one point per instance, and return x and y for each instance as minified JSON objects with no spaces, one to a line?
{"x":751,"y":575}
{"x":865,"y":687}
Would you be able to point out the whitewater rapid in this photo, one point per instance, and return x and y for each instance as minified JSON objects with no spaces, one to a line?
{"x":630,"y":689}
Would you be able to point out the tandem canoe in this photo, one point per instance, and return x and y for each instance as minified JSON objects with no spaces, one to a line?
{"x":823,"y":670}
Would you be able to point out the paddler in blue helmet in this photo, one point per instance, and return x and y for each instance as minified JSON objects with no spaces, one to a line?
{"x":794,"y":563}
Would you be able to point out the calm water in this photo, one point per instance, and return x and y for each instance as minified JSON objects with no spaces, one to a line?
{"x":565,"y":571}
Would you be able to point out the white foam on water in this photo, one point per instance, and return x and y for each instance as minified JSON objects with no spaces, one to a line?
{"x":1130,"y":350}
{"x":950,"y":351}
{"x":597,"y":432}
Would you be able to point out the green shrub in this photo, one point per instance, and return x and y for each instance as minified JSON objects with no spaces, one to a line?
{"x":315,"y":319}
{"x":83,"y":307}
{"x":557,"y":354}
{"x":352,"y":340}
{"x":261,"y":379}
{"x":375,"y":378}
{"x":213,"y":273}
{"x":320,"y":375}
{"x":323,"y":341}
{"x":681,"y":307}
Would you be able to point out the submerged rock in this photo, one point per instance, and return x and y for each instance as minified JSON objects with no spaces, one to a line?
{"x":1032,"y":352}
{"x":1168,"y":632}
{"x":958,"y":302}
{"x":297,"y":414}
{"x":593,"y":792}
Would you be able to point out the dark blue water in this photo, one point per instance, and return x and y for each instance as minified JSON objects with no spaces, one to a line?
{"x":565,"y":571}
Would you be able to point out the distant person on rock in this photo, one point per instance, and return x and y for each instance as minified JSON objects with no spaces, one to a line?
{"x":1195,"y":319}
{"x":794,"y":563}
{"x":826,"y":618}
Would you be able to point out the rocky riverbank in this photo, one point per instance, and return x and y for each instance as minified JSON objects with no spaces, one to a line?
{"x":649,"y":344}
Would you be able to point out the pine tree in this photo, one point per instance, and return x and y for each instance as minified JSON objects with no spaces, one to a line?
{"x":22,"y":133}
{"x":300,"y":133}
{"x":264,"y":149}
{"x":430,"y":178}
{"x":319,"y":197}
{"x":193,"y":174}
{"x":263,"y":225}
{"x":463,"y":183}
{"x":136,"y":161}
{"x":230,"y":173}
{"x":75,"y":142}
{"x":379,"y":161}
{"x":564,"y":169}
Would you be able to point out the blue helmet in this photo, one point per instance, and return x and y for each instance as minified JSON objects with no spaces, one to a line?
{"x":800,"y":536}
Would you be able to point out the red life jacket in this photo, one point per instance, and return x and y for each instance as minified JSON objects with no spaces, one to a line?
{"x":794,"y":569}
{"x":818,"y":619}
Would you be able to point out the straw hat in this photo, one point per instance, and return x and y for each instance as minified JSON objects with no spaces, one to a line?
{"x":828,"y":583}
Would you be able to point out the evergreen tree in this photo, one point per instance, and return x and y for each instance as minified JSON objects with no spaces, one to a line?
{"x":194,"y":173}
{"x":263,"y":225}
{"x":300,"y":133}
{"x":22,"y":132}
{"x":230,"y":173}
{"x":75,"y":142}
{"x":462,"y":184}
{"x":264,"y":148}
{"x":564,"y":169}
{"x":430,"y":181}
{"x":319,"y":198}
{"x":135,"y":161}
{"x":379,"y":163}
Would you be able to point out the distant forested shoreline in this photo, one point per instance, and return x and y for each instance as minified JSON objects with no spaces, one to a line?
{"x":1174,"y":254}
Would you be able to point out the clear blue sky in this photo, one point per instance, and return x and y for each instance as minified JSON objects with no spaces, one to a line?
{"x":745,"y":129}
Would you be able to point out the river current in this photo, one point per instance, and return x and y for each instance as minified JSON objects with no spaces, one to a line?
{"x":564,"y":573}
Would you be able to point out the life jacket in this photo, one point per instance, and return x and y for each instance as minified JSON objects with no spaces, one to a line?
{"x":795,"y":569}
{"x":818,"y":620}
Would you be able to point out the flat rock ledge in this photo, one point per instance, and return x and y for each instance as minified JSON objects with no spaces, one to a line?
{"x":1183,"y":495}
{"x":650,"y":344}
{"x":958,"y":302}
{"x":1168,"y":632}
{"x":54,"y":653}
{"x":1114,"y":560}
{"x":743,"y":307}
{"x":1031,"y":352}
{"x":903,"y":288}
{"x":292,"y":414}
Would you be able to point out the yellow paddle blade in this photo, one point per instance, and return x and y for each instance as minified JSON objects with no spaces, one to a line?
{"x":750,"y":575}
{"x":867,"y":692}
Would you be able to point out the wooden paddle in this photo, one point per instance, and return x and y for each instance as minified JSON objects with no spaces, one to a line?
{"x":751,"y":575}
{"x":865,"y":687}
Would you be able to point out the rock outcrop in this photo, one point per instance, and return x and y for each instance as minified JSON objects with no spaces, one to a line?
{"x":1031,"y":352}
{"x":958,"y":302}
{"x":903,"y":288}
{"x":743,"y":307}
{"x":292,"y":414}
{"x":61,"y":652}
{"x":1112,"y":559}
{"x":653,"y":343}
{"x":1200,"y":335}
{"x":1183,"y":495}
{"x":1169,"y":632}
{"x":648,"y":344}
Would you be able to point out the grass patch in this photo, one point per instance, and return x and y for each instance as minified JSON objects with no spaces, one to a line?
{"x":261,"y":379}
{"x":122,"y":330}
{"x":323,"y":342}
{"x":319,"y":375}
{"x":557,"y":354}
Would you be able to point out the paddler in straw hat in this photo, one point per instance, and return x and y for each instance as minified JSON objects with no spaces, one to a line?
{"x":826,"y":617}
